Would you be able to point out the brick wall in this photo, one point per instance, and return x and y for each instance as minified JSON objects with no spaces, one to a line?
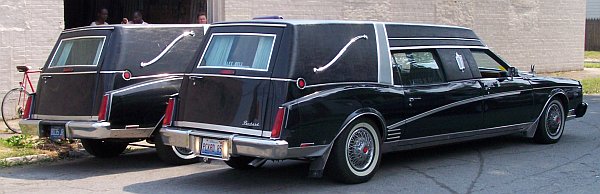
{"x":28,"y":31}
{"x":549,"y":34}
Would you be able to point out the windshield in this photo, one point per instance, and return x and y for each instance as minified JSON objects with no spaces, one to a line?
{"x":78,"y":51}
{"x":238,"y":51}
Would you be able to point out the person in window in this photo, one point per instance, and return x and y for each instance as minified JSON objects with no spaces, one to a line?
{"x":202,"y":18}
{"x":137,"y":19}
{"x":101,"y":17}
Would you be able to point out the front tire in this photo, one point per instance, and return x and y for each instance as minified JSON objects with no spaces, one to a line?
{"x":103,"y":148}
{"x":552,"y":123}
{"x":174,"y":155}
{"x":356,"y":153}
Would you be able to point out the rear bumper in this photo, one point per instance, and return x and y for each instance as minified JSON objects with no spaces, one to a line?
{"x":238,"y":145}
{"x":82,"y":129}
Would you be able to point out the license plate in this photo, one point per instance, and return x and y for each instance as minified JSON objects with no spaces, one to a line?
{"x":57,"y":132}
{"x":212,"y":147}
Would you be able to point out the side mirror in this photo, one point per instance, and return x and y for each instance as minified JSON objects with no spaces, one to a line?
{"x":513,"y":72}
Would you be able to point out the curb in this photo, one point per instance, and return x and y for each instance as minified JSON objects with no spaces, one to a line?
{"x":25,"y":159}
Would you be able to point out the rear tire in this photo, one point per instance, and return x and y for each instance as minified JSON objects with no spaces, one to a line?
{"x":356,"y":153}
{"x":103,"y":148}
{"x":12,"y":108}
{"x":174,"y":155}
{"x":240,"y":162}
{"x":552,"y":123}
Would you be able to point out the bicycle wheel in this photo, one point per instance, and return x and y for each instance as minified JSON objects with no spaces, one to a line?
{"x":12,"y":108}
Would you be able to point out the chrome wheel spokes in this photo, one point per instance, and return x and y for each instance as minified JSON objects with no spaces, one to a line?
{"x":360,"y":149}
{"x":554,"y":119}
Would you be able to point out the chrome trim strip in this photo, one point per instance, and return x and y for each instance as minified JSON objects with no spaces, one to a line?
{"x":75,"y":38}
{"x":71,"y":73}
{"x":341,"y":83}
{"x":451,"y":105}
{"x":433,"y":38}
{"x":384,"y":59}
{"x":86,"y":28}
{"x":465,"y":132}
{"x":240,"y":34}
{"x":250,"y":24}
{"x":159,"y":56}
{"x":222,"y":128}
{"x":241,"y":77}
{"x":64,"y":118}
{"x":340,"y":53}
{"x":142,"y":85}
{"x":111,"y":72}
{"x":438,"y":47}
{"x":156,"y":76}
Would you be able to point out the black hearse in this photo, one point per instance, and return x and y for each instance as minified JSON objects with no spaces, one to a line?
{"x":109,"y":86}
{"x":340,"y":93}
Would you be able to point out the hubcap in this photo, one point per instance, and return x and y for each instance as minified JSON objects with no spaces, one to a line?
{"x":360,"y":149}
{"x":554,"y":119}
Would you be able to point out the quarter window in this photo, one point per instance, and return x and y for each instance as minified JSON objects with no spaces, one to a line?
{"x":415,"y":68}
{"x":485,"y":61}
{"x":239,"y":51}
{"x":78,"y":51}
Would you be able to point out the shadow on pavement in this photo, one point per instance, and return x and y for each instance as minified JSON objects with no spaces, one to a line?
{"x":144,"y":159}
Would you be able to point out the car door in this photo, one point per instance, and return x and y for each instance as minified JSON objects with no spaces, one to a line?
{"x":67,"y":85}
{"x":434,"y":106}
{"x":508,"y":100}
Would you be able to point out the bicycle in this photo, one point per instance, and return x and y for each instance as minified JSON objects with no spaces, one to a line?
{"x":13,"y":103}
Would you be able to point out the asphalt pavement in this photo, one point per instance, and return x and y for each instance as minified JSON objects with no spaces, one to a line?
{"x":508,"y":164}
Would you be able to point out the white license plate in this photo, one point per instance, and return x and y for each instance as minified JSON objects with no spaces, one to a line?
{"x":212,"y":147}
{"x":57,"y":132}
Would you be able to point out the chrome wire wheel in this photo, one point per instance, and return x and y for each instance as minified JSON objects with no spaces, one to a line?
{"x":359,"y":149}
{"x":183,"y":153}
{"x":554,"y":120}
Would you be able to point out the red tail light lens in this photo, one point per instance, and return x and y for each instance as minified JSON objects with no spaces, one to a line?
{"x":278,"y":125}
{"x":27,"y":110}
{"x":103,"y":108}
{"x":169,"y":112}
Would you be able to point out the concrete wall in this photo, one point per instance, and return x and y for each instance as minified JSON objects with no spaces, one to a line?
{"x":549,"y":34}
{"x":28,"y":31}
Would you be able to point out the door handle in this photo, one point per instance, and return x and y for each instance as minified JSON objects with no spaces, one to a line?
{"x":413,"y":99}
{"x":46,"y":76}
{"x":195,"y":77}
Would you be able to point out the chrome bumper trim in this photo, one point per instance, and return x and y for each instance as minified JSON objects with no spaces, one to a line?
{"x":240,"y":144}
{"x":86,"y":130}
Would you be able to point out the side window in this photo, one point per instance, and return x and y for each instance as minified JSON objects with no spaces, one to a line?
{"x":416,"y":67}
{"x":485,"y":61}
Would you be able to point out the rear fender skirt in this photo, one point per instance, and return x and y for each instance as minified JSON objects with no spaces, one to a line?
{"x":554,"y":93}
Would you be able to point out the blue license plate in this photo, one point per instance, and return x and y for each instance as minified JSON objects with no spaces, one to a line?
{"x":212,"y":147}
{"x":57,"y":132}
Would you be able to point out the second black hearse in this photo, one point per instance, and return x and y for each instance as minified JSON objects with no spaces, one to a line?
{"x":109,"y":86}
{"x":340,"y":93}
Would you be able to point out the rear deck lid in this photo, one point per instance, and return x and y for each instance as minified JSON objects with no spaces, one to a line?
{"x":67,"y":86}
{"x":228,"y":89}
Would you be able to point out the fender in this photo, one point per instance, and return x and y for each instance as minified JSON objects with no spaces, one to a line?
{"x":317,"y":166}
{"x":530,"y":132}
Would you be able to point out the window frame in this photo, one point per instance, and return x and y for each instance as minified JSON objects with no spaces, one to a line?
{"x":199,"y":66}
{"x":436,"y":58}
{"x":493,"y":56}
{"x":97,"y":61}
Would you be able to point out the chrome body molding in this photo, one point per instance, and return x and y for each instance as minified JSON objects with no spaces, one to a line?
{"x":438,"y":47}
{"x":221,"y":128}
{"x":384,"y":60}
{"x":451,"y":105}
{"x":240,"y":77}
{"x":64,"y":118}
{"x":352,"y":41}
{"x":433,"y":38}
{"x":240,"y":145}
{"x":84,"y":129}
{"x":168,"y":48}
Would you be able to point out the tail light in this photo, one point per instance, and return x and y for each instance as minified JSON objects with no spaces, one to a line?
{"x":27,"y":111}
{"x":278,"y":125}
{"x":169,"y":112}
{"x":103,"y":108}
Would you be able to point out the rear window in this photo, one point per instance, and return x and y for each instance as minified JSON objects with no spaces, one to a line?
{"x":238,"y":51}
{"x":78,"y":51}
